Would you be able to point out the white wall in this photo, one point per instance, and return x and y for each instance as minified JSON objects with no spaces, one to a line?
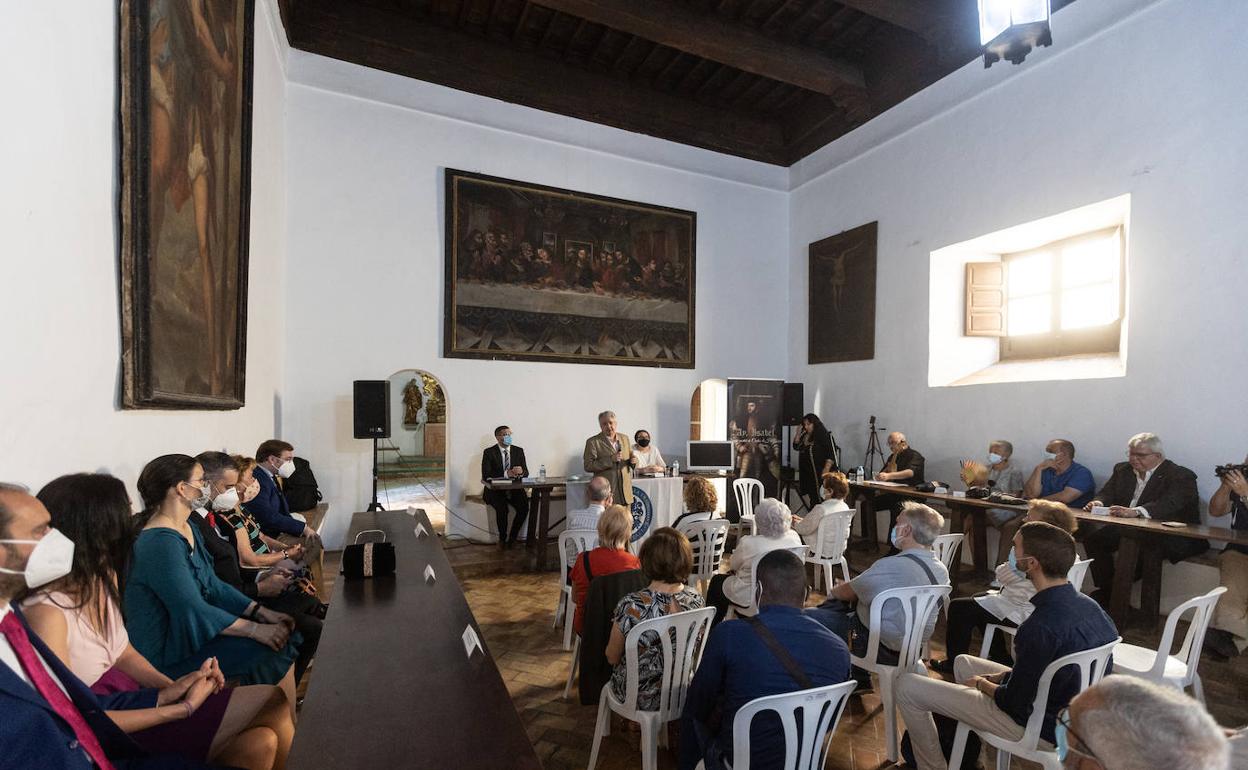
{"x":365,"y":285}
{"x":1152,"y":107}
{"x":60,"y":339}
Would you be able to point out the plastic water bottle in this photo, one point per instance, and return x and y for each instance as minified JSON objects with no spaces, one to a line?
{"x":541,"y":473}
{"x":675,"y":468}
{"x":860,"y":474}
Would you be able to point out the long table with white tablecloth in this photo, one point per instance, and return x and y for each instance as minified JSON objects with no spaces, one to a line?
{"x":657,"y":502}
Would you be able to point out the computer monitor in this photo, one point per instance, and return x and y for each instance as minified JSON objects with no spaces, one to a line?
{"x":710,"y":455}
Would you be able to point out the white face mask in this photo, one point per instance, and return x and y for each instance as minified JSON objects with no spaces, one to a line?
{"x":226,"y":500}
{"x":1050,"y":456}
{"x":286,"y":469}
{"x":51,"y":559}
{"x":252,"y":490}
{"x":994,"y":458}
{"x":203,"y":500}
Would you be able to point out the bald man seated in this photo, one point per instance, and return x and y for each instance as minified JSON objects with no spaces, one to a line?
{"x":904,"y":466}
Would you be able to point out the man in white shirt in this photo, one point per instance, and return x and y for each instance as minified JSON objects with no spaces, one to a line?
{"x":599,"y":501}
{"x":649,"y":460}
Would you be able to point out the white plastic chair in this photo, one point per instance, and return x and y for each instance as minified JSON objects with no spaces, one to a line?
{"x":572,"y":666}
{"x":682,"y":637}
{"x":1177,"y":671}
{"x":946,"y":548}
{"x":744,"y":490}
{"x":821,"y":709}
{"x":571,"y":543}
{"x":708,"y":539}
{"x":918,"y":603}
{"x":1074,"y":576}
{"x":735,"y":611}
{"x":1091,"y":663}
{"x":830,"y":541}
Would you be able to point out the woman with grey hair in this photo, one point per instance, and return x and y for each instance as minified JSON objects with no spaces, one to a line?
{"x":773,"y":523}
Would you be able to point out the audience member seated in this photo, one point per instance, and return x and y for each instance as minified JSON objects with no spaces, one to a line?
{"x":256,"y":550}
{"x":915,"y":564}
{"x":599,"y":493}
{"x":701,"y":502}
{"x":79,"y":618}
{"x":504,"y":460}
{"x":999,"y":474}
{"x":998,"y":700}
{"x":1228,"y":633}
{"x":286,"y":590}
{"x":276,"y":462}
{"x":817,"y":453}
{"x":649,"y":459}
{"x":1057,"y":477}
{"x":755,"y":657}
{"x":178,"y":612}
{"x":1008,"y":606}
{"x":50,"y":718}
{"x":1150,"y":486}
{"x":832,"y":491}
{"x":615,"y":527}
{"x":666,"y":560}
{"x":1114,"y":725}
{"x":773,"y":523}
{"x":904,"y":466}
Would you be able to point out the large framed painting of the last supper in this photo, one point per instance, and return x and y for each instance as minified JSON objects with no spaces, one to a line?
{"x":536,"y":273}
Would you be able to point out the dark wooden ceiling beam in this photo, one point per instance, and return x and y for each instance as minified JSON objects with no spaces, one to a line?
{"x":419,"y":49}
{"x":735,"y":45}
{"x":930,"y":19}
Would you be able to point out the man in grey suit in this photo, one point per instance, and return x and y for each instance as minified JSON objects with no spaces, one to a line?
{"x":609,"y":455}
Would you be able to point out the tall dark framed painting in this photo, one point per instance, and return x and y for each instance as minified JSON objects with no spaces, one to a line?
{"x":842,"y":297}
{"x":536,"y":273}
{"x":186,"y":80}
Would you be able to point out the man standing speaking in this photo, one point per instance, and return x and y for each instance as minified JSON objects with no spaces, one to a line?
{"x":608,"y":454}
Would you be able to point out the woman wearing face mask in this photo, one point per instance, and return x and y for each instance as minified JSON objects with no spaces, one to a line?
{"x":256,"y":550}
{"x":999,"y":474}
{"x":79,"y":618}
{"x":649,"y":460}
{"x":1009,"y":606}
{"x":833,"y":491}
{"x":178,"y":612}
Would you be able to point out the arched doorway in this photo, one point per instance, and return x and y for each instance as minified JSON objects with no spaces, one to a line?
{"x":411,"y":470}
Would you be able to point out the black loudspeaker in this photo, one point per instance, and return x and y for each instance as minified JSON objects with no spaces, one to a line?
{"x":794,"y":397}
{"x":372,"y":409}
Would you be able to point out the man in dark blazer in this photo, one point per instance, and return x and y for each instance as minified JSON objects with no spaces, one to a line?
{"x":34,"y":731}
{"x":1150,"y":486}
{"x":505,"y":461}
{"x":275,"y":462}
{"x":904,"y":466}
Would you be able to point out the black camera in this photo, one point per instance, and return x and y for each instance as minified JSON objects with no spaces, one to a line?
{"x":1222,"y":470}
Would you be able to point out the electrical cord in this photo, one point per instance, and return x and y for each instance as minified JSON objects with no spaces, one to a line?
{"x":450,"y":512}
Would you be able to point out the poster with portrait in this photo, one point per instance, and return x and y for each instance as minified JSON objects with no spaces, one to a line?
{"x":536,"y":273}
{"x":842,"y":297}
{"x":186,"y":72}
{"x":754,"y":416}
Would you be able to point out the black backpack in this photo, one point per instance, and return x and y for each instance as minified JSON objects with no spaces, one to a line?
{"x":300,"y":489}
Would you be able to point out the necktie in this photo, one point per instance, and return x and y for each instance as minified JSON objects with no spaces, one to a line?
{"x":506,"y":461}
{"x":64,"y":708}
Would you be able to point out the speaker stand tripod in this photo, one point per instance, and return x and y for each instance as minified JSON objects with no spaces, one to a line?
{"x":375,"y":505}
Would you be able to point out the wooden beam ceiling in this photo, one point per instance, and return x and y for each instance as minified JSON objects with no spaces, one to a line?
{"x":926,"y":18}
{"x":710,"y":37}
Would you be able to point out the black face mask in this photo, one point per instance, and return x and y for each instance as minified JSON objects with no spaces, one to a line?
{"x":643,"y":442}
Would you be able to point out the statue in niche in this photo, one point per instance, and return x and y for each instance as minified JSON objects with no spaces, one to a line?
{"x":435,"y":400}
{"x":414,"y":414}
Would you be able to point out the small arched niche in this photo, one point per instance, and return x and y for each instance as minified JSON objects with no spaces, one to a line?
{"x":411,"y":468}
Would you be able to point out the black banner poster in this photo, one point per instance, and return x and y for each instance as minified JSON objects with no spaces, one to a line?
{"x":754,"y":415}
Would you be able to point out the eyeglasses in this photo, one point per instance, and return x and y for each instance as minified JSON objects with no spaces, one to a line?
{"x":1140,"y":454}
{"x":1062,"y":729}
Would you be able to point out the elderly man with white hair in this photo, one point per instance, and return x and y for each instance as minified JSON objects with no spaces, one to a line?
{"x":1127,"y":723}
{"x":1146,"y":485}
{"x":773,"y":525}
{"x":915,"y":564}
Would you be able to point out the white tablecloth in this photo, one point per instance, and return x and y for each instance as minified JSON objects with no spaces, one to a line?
{"x":657,"y":502}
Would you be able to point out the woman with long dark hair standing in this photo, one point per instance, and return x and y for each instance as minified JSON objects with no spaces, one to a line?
{"x":79,"y":618}
{"x":817,"y":456}
{"x":178,"y":612}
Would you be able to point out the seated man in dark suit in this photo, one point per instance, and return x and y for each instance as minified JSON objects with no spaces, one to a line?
{"x":505,"y":461}
{"x":754,"y":657}
{"x":1146,"y":485}
{"x":904,"y":466}
{"x":275,"y":462}
{"x":51,"y":719}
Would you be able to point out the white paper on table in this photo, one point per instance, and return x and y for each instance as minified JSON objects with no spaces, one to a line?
{"x":420,"y":530}
{"x":471,"y":641}
{"x":1100,"y":510}
{"x":889,"y":483}
{"x":429,"y":576}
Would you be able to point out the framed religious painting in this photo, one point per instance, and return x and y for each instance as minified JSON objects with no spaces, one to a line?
{"x":536,"y":273}
{"x":842,"y":297}
{"x":186,"y":80}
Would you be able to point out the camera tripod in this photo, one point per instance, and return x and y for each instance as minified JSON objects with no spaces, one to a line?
{"x":873,"y":448}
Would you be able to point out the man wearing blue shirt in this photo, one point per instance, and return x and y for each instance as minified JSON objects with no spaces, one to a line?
{"x":998,"y":700}
{"x":739,"y":665}
{"x":1060,"y":478}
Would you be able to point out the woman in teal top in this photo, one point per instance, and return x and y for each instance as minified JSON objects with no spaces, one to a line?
{"x":178,"y":612}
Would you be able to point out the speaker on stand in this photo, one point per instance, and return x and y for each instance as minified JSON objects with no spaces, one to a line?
{"x":371,"y":402}
{"x":791,"y":412}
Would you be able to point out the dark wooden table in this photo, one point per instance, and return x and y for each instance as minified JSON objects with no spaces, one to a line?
{"x":538,"y":532}
{"x":1140,"y":543}
{"x":392,"y":685}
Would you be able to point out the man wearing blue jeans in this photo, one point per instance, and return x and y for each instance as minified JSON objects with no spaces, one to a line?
{"x":917,"y":528}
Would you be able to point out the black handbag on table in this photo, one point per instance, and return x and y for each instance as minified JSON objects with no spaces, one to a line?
{"x":364,"y":560}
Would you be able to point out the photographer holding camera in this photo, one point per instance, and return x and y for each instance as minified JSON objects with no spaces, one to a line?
{"x":1228,"y":633}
